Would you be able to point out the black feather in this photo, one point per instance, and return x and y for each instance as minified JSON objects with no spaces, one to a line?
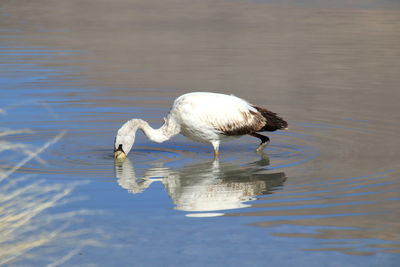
{"x":273,"y":121}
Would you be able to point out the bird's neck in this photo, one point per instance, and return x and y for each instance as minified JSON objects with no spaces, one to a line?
{"x":159,"y":135}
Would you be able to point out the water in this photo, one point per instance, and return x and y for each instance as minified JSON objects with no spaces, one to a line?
{"x":325,"y":192}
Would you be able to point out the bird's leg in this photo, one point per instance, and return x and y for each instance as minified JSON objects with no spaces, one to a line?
{"x":264,"y":141}
{"x":215,"y":145}
{"x":264,"y":158}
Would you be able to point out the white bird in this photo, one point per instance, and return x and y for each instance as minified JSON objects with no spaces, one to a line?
{"x":204,"y":117}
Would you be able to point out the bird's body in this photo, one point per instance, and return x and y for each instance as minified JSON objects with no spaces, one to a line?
{"x":209,"y":117}
{"x":205,"y":117}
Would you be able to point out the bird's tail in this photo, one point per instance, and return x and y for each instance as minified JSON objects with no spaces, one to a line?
{"x":274,"y":122}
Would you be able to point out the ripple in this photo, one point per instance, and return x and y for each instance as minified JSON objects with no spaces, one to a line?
{"x":342,"y":185}
{"x":308,"y":176}
{"x":305,"y":143}
{"x":73,"y":155}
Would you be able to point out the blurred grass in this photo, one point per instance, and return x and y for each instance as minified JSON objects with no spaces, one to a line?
{"x":25,"y":223}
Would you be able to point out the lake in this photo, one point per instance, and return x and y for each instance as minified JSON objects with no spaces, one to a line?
{"x":326,"y":192}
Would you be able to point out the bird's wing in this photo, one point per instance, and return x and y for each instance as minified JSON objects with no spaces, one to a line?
{"x":228,"y":115}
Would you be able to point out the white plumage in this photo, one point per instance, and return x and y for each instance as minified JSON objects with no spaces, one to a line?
{"x":204,"y":117}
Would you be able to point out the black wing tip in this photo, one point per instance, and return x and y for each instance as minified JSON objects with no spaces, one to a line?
{"x":274,"y":122}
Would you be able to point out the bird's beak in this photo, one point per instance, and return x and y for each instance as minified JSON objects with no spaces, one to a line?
{"x":119,"y":153}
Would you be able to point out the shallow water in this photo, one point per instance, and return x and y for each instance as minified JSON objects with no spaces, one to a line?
{"x":325,"y":192}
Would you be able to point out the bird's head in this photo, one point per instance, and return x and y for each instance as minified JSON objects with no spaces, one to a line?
{"x":124,"y":140}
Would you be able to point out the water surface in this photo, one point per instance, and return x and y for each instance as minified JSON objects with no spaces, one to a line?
{"x":325,"y":192}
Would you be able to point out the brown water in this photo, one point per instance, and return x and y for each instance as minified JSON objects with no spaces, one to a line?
{"x":325,"y":192}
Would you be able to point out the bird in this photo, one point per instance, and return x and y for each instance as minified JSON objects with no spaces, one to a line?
{"x":204,"y":117}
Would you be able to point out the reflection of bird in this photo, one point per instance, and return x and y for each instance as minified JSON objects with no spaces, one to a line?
{"x":204,"y":117}
{"x":203,"y":187}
